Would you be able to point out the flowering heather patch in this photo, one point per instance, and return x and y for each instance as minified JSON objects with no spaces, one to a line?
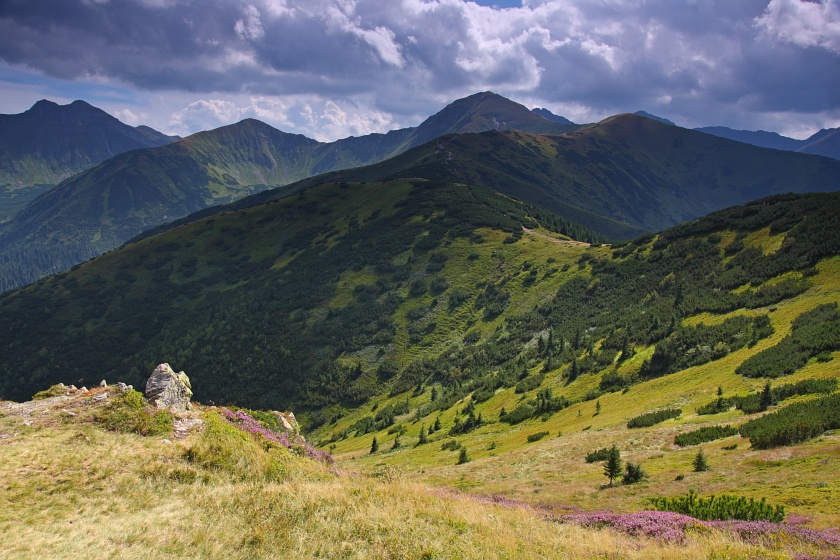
{"x":248,"y":424}
{"x":661,"y":525}
{"x":673,"y":527}
{"x":762,"y":531}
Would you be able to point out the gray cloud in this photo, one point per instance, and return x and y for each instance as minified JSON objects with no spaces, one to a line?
{"x":751,"y":62}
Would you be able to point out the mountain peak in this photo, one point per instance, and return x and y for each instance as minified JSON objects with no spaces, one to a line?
{"x":654,"y":117}
{"x":546,"y":114}
{"x":43,"y":105}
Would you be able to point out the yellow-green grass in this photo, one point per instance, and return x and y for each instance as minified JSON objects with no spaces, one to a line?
{"x":805,"y":478}
{"x":73,"y":490}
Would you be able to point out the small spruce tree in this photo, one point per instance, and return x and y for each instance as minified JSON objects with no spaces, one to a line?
{"x":633,"y":473}
{"x":397,"y":443}
{"x":437,"y":423}
{"x":597,"y":407}
{"x":463,"y":457}
{"x":374,"y":446}
{"x":423,"y":438}
{"x":700,"y":463}
{"x":766,"y":396}
{"x":612,"y":466}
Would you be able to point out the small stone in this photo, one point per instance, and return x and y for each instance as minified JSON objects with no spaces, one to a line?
{"x":64,"y":410}
{"x":100,"y":397}
{"x":84,"y":390}
{"x":123,"y":387}
{"x":103,"y":384}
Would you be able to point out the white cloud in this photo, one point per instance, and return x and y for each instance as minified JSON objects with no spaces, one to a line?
{"x":804,"y":23}
{"x":380,"y":38}
{"x":398,"y":59}
{"x":250,"y":28}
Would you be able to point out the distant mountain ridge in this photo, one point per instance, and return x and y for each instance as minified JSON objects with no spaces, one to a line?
{"x":99,"y":209}
{"x":825,"y":143}
{"x":623,"y":177}
{"x":49,"y":143}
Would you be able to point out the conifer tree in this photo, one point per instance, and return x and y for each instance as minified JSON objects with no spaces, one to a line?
{"x":612,"y":466}
{"x":766,"y":396}
{"x":574,"y":371}
{"x":374,"y":446}
{"x":437,"y":423}
{"x":700,"y":463}
{"x":463,"y":457}
{"x":597,"y":407}
{"x":422,"y":439}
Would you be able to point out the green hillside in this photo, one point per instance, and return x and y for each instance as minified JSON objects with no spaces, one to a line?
{"x":98,"y":210}
{"x":383,"y":309}
{"x":623,"y":177}
{"x":48,"y":143}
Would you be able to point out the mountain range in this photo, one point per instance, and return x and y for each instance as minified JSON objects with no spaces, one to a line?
{"x":48,"y":143}
{"x":621,"y":177}
{"x":826,"y":142}
{"x":99,"y":209}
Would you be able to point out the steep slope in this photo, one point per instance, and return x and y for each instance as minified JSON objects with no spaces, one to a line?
{"x":98,"y":210}
{"x":50,"y":142}
{"x":295,"y":260}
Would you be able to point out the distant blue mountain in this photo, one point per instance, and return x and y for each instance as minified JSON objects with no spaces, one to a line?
{"x":654,"y":117}
{"x":826,"y":142}
{"x":546,"y":114}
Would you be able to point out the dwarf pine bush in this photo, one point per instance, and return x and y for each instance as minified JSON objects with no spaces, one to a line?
{"x":702,"y":435}
{"x":794,"y":423}
{"x":723,"y":507}
{"x":651,"y":418}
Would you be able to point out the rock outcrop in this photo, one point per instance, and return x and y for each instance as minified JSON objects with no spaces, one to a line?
{"x":167,"y":389}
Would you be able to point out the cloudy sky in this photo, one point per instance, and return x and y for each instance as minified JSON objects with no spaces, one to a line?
{"x":334,"y":68}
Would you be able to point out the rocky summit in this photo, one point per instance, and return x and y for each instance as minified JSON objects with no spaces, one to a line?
{"x":167,"y":389}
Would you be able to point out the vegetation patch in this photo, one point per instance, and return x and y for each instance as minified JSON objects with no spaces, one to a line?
{"x":702,"y":435}
{"x":813,"y":333}
{"x":721,"y":508}
{"x":651,"y":418}
{"x":129,"y":413}
{"x":794,"y":423}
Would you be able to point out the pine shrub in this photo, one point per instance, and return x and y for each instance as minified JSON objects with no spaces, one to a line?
{"x":651,"y":418}
{"x":702,"y":435}
{"x":723,"y":507}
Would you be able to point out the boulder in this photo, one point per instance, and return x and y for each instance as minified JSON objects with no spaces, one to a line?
{"x":167,"y":389}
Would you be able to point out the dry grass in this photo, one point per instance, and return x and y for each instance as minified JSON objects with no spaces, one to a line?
{"x":73,"y":490}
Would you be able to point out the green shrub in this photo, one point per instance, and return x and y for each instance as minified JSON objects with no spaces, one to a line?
{"x":814,"y":332}
{"x":722,"y":507}
{"x":651,"y":418}
{"x":54,"y":391}
{"x":794,"y":423}
{"x":129,"y":413}
{"x":702,"y":435}
{"x":536,"y":437}
{"x":599,"y":455}
{"x":633,"y":473}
